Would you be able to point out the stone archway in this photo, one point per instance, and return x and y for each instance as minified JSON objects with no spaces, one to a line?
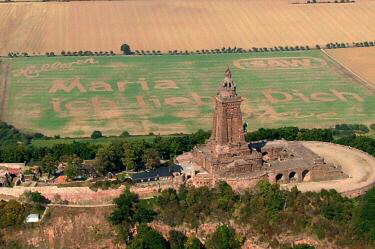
{"x":306,"y":175}
{"x":293,"y":177}
{"x":279,"y":178}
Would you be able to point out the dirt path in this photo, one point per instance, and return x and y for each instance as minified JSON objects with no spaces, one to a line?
{"x":83,"y":205}
{"x":358,"y":165}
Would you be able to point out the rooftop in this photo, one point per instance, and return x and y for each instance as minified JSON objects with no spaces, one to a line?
{"x":159,"y":172}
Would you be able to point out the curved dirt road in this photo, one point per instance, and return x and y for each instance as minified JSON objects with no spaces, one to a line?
{"x":359,"y":166}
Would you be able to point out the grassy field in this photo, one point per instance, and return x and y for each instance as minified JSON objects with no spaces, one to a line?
{"x":185,"y":25}
{"x":72,"y":96}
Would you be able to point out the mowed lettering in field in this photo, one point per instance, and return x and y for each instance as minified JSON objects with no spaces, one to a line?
{"x":279,"y":63}
{"x":97,"y":104}
{"x":33,"y":71}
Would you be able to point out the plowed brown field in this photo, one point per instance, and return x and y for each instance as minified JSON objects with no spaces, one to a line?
{"x":188,"y":24}
{"x":360,"y":60}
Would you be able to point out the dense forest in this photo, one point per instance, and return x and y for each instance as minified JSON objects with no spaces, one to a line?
{"x":265,"y":212}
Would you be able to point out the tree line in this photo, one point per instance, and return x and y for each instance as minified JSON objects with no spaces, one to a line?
{"x":342,"y":134}
{"x":139,"y":154}
{"x":126,"y":50}
{"x":114,"y":157}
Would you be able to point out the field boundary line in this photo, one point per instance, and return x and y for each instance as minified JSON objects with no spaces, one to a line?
{"x":364,"y":82}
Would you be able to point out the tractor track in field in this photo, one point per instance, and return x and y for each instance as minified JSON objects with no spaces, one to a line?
{"x":4,"y":72}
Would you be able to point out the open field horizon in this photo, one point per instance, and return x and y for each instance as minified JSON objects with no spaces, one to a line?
{"x":184,"y":25}
{"x":167,"y":94}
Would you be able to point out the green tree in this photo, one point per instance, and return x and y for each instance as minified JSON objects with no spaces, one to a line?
{"x":324,"y":135}
{"x":124,"y":211}
{"x":125,"y":134}
{"x":137,"y":147}
{"x":33,"y":198}
{"x":49,"y":164}
{"x":147,"y":238}
{"x":365,"y":218}
{"x":151,"y":158}
{"x":96,"y":134}
{"x":128,"y":212}
{"x":12,"y":213}
{"x":125,"y":48}
{"x":74,"y":163}
{"x":194,"y":243}
{"x":129,"y":160}
{"x":223,"y":238}
{"x":225,"y":197}
{"x":177,"y":239}
{"x":107,"y":160}
{"x":271,"y":196}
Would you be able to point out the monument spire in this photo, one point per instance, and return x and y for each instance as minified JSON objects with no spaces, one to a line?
{"x":228,"y":128}
{"x":228,"y":73}
{"x":228,"y":86}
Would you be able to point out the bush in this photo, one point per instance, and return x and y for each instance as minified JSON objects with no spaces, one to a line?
{"x":177,"y":239}
{"x":372,"y":126}
{"x":12,"y":213}
{"x":148,"y":238}
{"x":352,"y":127}
{"x":223,"y":238}
{"x":125,"y":134}
{"x":96,"y":134}
{"x":104,"y":185}
{"x":125,"y":48}
{"x":34,"y":198}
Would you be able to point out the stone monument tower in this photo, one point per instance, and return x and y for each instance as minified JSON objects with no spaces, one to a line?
{"x":228,"y":127}
{"x":227,"y":156}
{"x":227,"y":153}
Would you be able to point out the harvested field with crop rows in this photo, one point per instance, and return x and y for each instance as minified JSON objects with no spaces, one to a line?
{"x":184,"y":25}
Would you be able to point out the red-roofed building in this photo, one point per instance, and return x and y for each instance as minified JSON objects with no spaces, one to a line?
{"x":60,"y":180}
{"x":14,"y":171}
